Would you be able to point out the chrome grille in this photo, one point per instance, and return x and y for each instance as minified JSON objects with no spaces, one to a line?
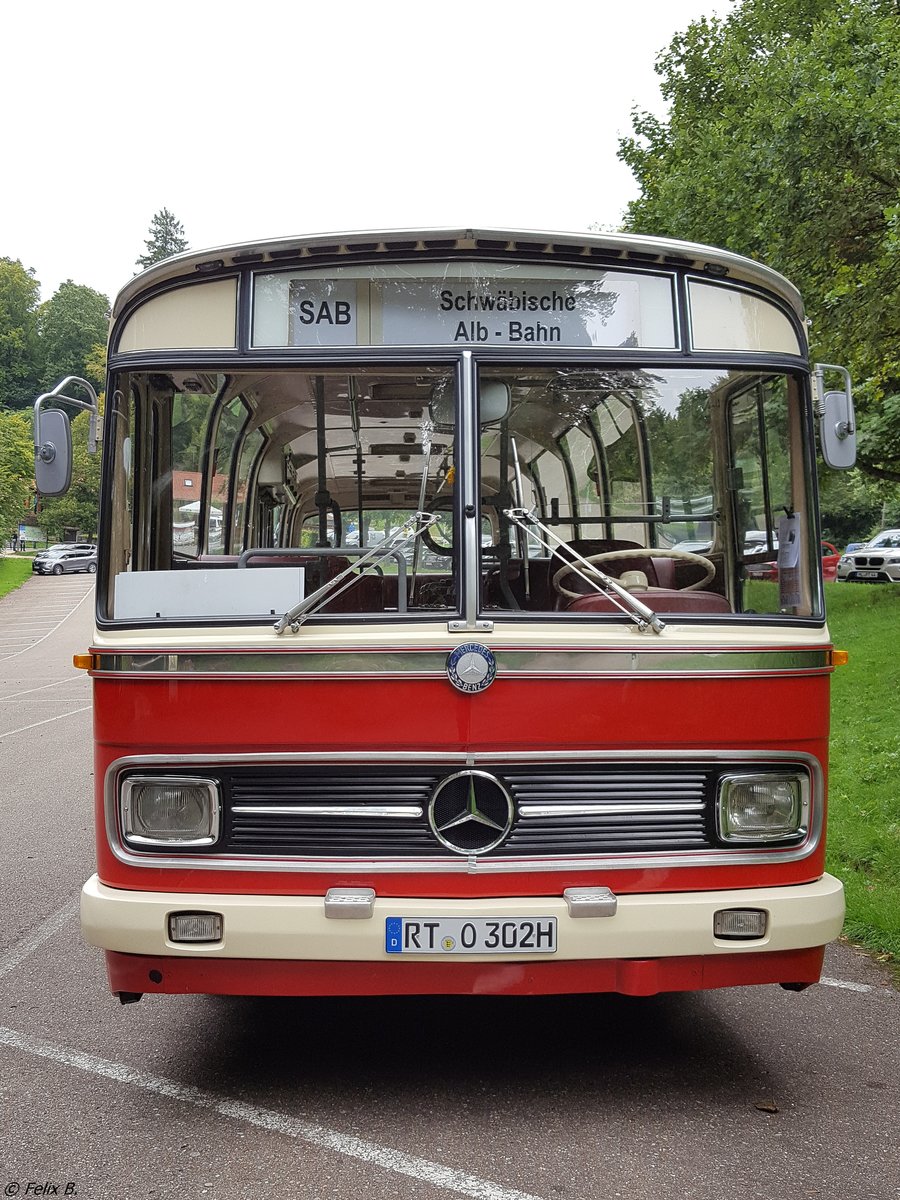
{"x":561,"y":809}
{"x":601,"y":810}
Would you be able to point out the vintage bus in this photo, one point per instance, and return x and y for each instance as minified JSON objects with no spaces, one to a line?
{"x":430,"y":652}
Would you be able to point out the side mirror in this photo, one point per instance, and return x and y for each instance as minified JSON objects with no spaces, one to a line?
{"x":493,"y":401}
{"x":53,"y":457}
{"x":837,"y":421}
{"x":53,"y":436}
{"x":837,"y":431}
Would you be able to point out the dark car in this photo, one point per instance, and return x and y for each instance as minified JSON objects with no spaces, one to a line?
{"x":66,"y":558}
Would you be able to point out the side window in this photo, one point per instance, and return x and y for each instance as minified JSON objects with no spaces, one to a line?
{"x":617,"y":430}
{"x":250,"y":450}
{"x":190,"y":422}
{"x":753,"y":517}
{"x":579,"y":450}
{"x":231,"y":421}
{"x":767,"y":499}
{"x":555,"y":504}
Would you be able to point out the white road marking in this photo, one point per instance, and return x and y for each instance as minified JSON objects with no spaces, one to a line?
{"x":81,"y":677}
{"x":74,"y":608}
{"x":16,"y":955}
{"x":58,"y":717}
{"x":266,"y":1118}
{"x":845,"y":983}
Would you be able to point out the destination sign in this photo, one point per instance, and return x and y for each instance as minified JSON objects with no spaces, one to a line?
{"x":568,"y":308}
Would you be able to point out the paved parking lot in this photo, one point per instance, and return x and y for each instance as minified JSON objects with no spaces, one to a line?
{"x":32,"y":612}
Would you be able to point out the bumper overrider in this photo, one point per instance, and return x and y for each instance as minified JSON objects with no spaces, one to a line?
{"x":306,"y":945}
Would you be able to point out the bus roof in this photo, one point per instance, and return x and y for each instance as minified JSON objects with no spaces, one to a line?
{"x":604,"y":248}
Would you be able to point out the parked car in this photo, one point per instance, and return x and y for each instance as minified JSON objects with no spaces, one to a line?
{"x":769,"y":569}
{"x":60,"y":547}
{"x":831,"y":556}
{"x":878,"y":561}
{"x":756,"y":542}
{"x":66,"y":559}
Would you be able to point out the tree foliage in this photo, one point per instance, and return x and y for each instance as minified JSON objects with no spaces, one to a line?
{"x":166,"y":238}
{"x":16,"y":470}
{"x":20,"y":369}
{"x":783,"y":143}
{"x":72,"y":325}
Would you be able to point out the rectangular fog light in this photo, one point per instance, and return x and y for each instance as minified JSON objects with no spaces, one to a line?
{"x":195,"y":927}
{"x":740,"y":923}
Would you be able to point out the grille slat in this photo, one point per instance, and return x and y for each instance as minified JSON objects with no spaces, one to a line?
{"x":618,"y":808}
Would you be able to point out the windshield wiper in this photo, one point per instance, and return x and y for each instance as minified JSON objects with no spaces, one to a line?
{"x":644,"y":617}
{"x":411,"y":529}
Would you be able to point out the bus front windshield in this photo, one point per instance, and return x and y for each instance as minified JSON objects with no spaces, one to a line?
{"x":688,"y":485}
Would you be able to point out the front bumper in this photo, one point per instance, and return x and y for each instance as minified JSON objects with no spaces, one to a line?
{"x":288,"y":939}
{"x":887,"y":572}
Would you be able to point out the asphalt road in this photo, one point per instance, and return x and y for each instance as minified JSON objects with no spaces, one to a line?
{"x":746,"y":1093}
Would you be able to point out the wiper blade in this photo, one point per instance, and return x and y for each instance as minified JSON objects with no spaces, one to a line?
{"x":411,"y":529}
{"x":644,"y":617}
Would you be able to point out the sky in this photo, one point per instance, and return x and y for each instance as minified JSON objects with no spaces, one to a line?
{"x":276,"y":118}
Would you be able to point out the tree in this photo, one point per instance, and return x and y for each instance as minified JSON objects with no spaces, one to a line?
{"x":783,"y":143}
{"x":16,"y":470}
{"x":166,"y":238}
{"x":20,"y":360}
{"x":71,"y":325}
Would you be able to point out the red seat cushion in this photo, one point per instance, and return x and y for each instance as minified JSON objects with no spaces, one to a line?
{"x":664,"y":600}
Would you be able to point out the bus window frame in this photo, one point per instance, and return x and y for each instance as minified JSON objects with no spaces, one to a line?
{"x":465,"y":363}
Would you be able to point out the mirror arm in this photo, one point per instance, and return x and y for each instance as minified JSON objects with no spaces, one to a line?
{"x":46,"y":451}
{"x":845,"y":427}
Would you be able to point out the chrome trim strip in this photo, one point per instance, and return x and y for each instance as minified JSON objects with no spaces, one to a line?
{"x":400,"y":663}
{"x":410,"y":811}
{"x":528,"y":810}
{"x":470,"y":865}
{"x":469,"y":534}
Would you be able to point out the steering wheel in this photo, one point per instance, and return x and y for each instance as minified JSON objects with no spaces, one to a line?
{"x":436,"y":547}
{"x":638,"y":552}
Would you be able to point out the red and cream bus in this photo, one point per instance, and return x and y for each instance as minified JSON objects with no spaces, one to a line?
{"x":429,"y":652}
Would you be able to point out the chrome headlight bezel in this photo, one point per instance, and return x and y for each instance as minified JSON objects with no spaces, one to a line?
{"x":131,"y":824}
{"x":728,"y":829}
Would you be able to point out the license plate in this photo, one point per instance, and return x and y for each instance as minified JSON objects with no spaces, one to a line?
{"x":867,"y":574}
{"x":477,"y":935}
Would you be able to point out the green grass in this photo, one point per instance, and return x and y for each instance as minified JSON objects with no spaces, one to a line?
{"x":864,"y":812}
{"x":13,"y":572}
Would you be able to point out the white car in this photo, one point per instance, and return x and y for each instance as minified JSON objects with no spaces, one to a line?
{"x":876,"y":562}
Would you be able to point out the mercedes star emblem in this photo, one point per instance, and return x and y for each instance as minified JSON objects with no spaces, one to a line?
{"x":471,"y":812}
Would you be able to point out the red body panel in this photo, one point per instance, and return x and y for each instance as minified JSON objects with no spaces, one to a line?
{"x":138,"y":973}
{"x":209,"y":716}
